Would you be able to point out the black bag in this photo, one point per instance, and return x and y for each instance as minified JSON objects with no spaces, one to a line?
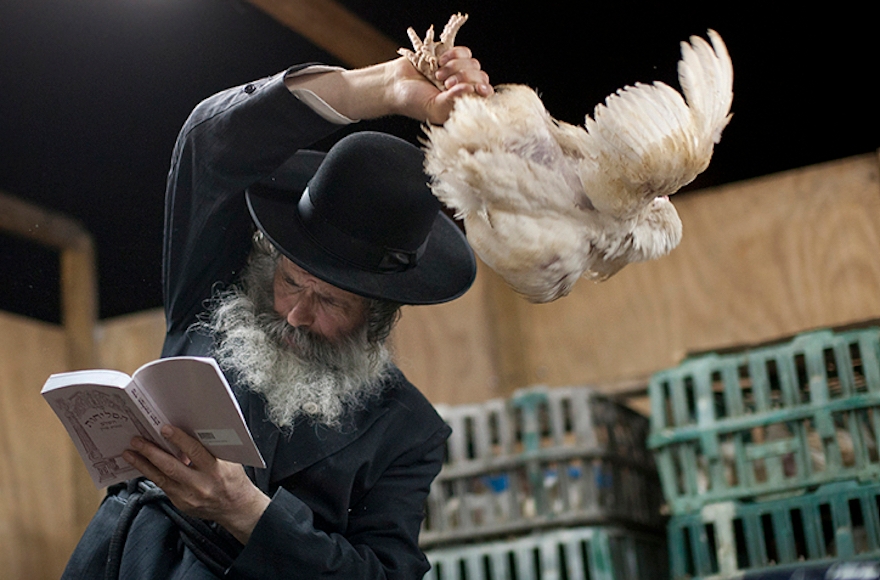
{"x":138,"y":521}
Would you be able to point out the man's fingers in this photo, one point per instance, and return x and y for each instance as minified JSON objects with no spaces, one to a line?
{"x":162,"y":467}
{"x":146,"y":466}
{"x":192,"y":448}
{"x":454,"y":53}
{"x":463,"y":70}
{"x":458,"y":67}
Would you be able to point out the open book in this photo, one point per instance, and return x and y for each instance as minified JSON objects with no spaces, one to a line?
{"x":102,"y":410}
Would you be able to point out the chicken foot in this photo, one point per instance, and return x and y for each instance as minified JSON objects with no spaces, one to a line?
{"x":426,"y":53}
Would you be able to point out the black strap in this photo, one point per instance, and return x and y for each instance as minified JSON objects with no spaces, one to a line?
{"x":214,"y":550}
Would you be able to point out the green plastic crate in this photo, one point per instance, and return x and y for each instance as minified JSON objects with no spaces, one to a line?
{"x":838,"y":522}
{"x":586,"y":553}
{"x":545,"y":458}
{"x":771,"y":420}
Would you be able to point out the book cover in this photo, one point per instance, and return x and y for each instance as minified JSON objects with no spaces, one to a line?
{"x":103,"y":409}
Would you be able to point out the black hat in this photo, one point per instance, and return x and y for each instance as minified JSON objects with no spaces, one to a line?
{"x":364,"y":219}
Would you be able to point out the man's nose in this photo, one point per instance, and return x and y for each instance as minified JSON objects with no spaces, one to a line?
{"x":303,"y":312}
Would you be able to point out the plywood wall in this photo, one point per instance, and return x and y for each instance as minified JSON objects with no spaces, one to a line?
{"x":126,"y":342}
{"x":447,"y":350}
{"x":37,"y":502}
{"x":759,"y":259}
{"x":39,"y":526}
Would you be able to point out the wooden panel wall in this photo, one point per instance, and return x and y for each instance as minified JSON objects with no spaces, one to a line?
{"x":37,"y":501}
{"x":447,"y":350}
{"x":759,"y":259}
{"x":50,"y":480}
{"x":127,"y":342}
{"x":39,"y":506}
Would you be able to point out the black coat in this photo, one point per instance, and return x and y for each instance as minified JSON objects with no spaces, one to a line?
{"x":345,"y":504}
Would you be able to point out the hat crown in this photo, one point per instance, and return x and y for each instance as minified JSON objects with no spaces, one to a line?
{"x":372,"y":187}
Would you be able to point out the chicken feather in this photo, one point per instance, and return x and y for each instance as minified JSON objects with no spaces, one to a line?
{"x":544,"y":202}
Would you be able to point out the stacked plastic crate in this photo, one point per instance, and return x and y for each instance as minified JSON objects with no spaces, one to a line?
{"x":552,"y":483}
{"x":769,"y":458}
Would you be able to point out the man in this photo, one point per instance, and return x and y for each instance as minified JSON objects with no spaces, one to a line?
{"x":351,"y":447}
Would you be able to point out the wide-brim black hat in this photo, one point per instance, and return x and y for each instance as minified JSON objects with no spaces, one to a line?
{"x":363,"y":219}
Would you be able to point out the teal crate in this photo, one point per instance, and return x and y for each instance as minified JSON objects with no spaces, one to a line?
{"x":838,"y":522}
{"x":767,"y":421}
{"x":547,"y":457}
{"x":587,"y":553}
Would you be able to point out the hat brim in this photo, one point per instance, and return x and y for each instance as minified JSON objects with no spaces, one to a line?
{"x":444,"y":272}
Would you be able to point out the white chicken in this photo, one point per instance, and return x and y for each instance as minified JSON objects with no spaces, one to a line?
{"x":545,"y":202}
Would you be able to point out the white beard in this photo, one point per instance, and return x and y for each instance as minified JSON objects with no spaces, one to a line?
{"x":297,"y":372}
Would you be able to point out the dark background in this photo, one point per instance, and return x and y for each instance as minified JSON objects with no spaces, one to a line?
{"x":93,"y":92}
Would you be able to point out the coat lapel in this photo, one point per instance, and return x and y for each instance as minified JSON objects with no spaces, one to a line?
{"x":265,"y":435}
{"x":306,"y":444}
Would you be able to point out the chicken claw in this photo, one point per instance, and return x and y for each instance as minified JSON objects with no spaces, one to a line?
{"x":427,"y":52}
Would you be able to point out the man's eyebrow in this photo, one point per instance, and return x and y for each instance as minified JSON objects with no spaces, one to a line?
{"x":342,"y":300}
{"x":287,"y":277}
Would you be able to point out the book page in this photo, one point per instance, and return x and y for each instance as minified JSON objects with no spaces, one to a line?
{"x":194,"y":396}
{"x":106,"y":377}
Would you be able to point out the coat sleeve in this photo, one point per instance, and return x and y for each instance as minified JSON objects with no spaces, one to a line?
{"x":381,"y":541}
{"x":230,"y":141}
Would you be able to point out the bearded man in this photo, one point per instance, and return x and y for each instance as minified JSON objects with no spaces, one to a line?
{"x":297,"y":311}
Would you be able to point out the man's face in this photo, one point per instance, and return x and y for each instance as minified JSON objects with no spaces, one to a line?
{"x":311,"y":304}
{"x":299,"y":342}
